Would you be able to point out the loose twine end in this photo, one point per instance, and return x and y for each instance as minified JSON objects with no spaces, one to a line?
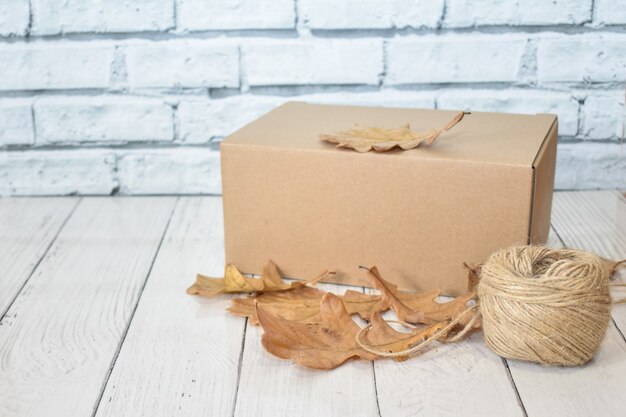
{"x":436,"y":336}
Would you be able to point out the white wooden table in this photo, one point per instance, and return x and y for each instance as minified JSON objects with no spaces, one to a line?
{"x":96,"y":322}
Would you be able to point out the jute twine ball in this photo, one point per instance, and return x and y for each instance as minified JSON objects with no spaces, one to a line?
{"x":550,"y":306}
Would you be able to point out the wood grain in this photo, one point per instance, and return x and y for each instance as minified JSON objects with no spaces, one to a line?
{"x":456,"y":379}
{"x":27,"y":228}
{"x":270,"y":386}
{"x":593,"y":389}
{"x":181,"y":353}
{"x":595,"y":221}
{"x":60,"y":335}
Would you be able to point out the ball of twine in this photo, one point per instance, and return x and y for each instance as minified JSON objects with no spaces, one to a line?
{"x":550,"y":306}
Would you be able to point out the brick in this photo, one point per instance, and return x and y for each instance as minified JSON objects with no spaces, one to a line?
{"x":16,"y":122}
{"x":55,"y":65}
{"x":328,"y":61}
{"x":202,"y":120}
{"x":463,"y":13}
{"x":236,"y":14}
{"x":374,"y":14}
{"x":51,"y":18}
{"x":609,"y":12}
{"x":584,"y":166}
{"x":14,"y":15}
{"x":384,"y":98}
{"x":582,"y":58}
{"x":57,"y":172}
{"x":115,"y":119}
{"x":170,"y":171}
{"x":516,"y":101}
{"x":187,"y":63}
{"x":603,"y":115}
{"x":454,"y":59}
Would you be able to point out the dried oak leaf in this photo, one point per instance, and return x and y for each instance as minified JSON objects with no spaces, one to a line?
{"x":298,"y":304}
{"x":325,"y":344}
{"x":363,"y":139}
{"x":235,"y":282}
{"x":418,"y":307}
{"x":383,"y":337}
{"x":302,"y":304}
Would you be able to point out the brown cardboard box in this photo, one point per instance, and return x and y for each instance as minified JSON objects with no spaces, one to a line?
{"x":416,"y":214}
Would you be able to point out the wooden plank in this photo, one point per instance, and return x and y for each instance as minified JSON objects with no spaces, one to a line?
{"x":181,"y":354}
{"x":270,"y":386}
{"x":29,"y":226}
{"x":456,"y":379}
{"x":61,"y":334}
{"x":595,"y":221}
{"x":593,"y":389}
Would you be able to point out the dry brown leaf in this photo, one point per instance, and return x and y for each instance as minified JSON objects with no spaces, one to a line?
{"x":298,"y":304}
{"x":323,"y":345}
{"x":302,"y":304}
{"x":235,"y":282}
{"x":383,"y":337}
{"x":362,"y":304}
{"x":418,"y":307}
{"x":363,"y":139}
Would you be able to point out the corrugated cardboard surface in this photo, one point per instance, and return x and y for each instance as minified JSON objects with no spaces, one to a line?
{"x":417,"y":215}
{"x":544,"y":185}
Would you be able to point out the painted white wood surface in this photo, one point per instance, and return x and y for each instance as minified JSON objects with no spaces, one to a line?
{"x":455,"y":379}
{"x":60,"y":335}
{"x":27,"y":228}
{"x":271,"y":387}
{"x":595,"y":221}
{"x":181,"y":354}
{"x":596,"y":388}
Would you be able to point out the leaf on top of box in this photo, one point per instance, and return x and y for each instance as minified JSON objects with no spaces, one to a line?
{"x":235,"y":282}
{"x":363,"y":138}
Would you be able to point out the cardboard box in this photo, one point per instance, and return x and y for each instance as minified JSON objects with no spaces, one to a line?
{"x":416,"y":214}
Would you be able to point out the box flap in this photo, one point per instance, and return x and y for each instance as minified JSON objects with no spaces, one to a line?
{"x":543,"y":170}
{"x":482,"y":137}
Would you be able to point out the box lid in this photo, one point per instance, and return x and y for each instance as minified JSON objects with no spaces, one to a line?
{"x":499,"y":138}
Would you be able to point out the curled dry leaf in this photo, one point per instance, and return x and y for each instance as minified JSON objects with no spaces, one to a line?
{"x":418,"y":307}
{"x":381,"y":336}
{"x":325,"y":344}
{"x":302,"y":304}
{"x":363,"y":139}
{"x":298,"y":304}
{"x":235,"y":282}
{"x":330,"y":340}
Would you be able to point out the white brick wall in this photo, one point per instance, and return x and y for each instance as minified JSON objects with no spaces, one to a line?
{"x":186,"y":63}
{"x":235,"y":14}
{"x":454,"y":59}
{"x":71,"y":16}
{"x":464,"y":13}
{"x":301,"y":62}
{"x":108,"y":119}
{"x":16,"y":122}
{"x":14,"y":15}
{"x":101,"y":97}
{"x":371,"y":14}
